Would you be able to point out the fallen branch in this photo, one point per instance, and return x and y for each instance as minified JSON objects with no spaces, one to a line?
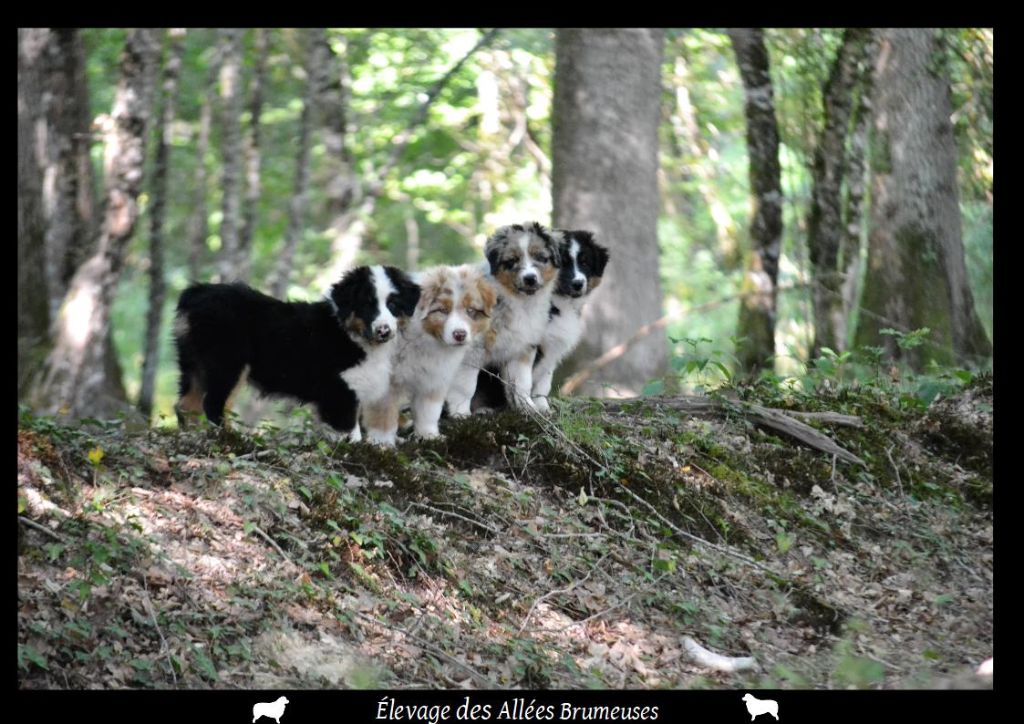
{"x":41,"y":528}
{"x":765,"y":417}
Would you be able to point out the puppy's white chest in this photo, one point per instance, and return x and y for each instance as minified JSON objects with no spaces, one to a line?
{"x":370,"y":378}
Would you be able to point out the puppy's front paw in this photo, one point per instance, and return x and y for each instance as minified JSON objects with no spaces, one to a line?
{"x":384,"y":439}
{"x":429,"y":435}
{"x":541,"y":403}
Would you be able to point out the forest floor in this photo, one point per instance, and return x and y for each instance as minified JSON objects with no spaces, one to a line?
{"x":583,"y":550}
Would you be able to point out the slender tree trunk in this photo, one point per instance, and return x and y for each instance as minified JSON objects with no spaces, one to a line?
{"x":198,"y":222}
{"x":605,"y":164}
{"x":760,"y":282}
{"x":231,"y":144}
{"x":916,"y":271}
{"x":75,"y":379}
{"x":250,"y":208}
{"x":349,"y":228}
{"x":342,"y":182}
{"x":33,"y":307}
{"x":297,"y":207}
{"x":824,"y":225}
{"x":854,"y":202}
{"x":157,"y":285}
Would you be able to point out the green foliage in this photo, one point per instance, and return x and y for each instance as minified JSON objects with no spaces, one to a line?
{"x":482,"y":158}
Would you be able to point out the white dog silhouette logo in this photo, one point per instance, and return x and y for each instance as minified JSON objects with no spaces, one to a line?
{"x":756,"y":707}
{"x":272,"y":710}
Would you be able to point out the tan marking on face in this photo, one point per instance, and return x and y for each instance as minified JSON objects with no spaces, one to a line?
{"x":435,"y":294}
{"x":355,"y":325}
{"x":481,"y":297}
{"x":382,"y":415}
{"x":490,"y":338}
{"x":548,"y":271}
{"x":593,"y":283}
{"x":507,"y":279}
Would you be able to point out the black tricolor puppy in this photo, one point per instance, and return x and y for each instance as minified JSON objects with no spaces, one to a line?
{"x":332,"y":353}
{"x":580,"y":273}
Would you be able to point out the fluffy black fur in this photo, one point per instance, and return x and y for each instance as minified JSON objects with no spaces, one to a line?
{"x":591,"y":261}
{"x":296,"y":349}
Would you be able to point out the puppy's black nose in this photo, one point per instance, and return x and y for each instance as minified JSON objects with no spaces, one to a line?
{"x":383,"y":333}
{"x":459,"y":335}
{"x":530,"y":280}
{"x":577,"y":285}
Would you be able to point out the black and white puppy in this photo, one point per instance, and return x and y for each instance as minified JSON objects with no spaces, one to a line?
{"x":333,"y":353}
{"x":523,"y":262}
{"x":583,"y":262}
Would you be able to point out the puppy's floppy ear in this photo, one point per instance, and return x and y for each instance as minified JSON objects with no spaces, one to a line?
{"x":345,"y":292}
{"x":492,"y":250}
{"x":408,"y":291}
{"x":552,"y":241}
{"x":601,"y":256}
{"x":487,"y":294}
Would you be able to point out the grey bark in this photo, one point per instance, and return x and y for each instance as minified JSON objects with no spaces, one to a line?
{"x":250,"y":207}
{"x":760,"y":282}
{"x":825,"y":229}
{"x":77,"y":371}
{"x":605,"y":163}
{"x":33,"y":306}
{"x":297,"y":208}
{"x":916,"y":273}
{"x":342,"y":181}
{"x":157,"y":284}
{"x":231,"y":147}
{"x":68,"y":174}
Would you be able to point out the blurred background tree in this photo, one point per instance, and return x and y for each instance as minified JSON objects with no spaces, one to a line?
{"x":292,"y":154}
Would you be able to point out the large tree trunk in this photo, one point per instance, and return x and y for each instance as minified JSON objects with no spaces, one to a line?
{"x":916,"y":272}
{"x":68,"y":184}
{"x":605,"y":165}
{"x":75,"y":379}
{"x":252,"y":157}
{"x":760,"y":281}
{"x":198,"y":222}
{"x":33,"y":304}
{"x":297,"y":209}
{"x":157,"y":285}
{"x":825,"y":223}
{"x":231,"y":146}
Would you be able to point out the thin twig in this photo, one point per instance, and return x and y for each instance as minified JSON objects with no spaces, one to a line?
{"x":164,"y":647}
{"x":272,"y":542}
{"x":481,"y":679}
{"x":899,"y":483}
{"x":557,"y":591}
{"x":489,"y":529}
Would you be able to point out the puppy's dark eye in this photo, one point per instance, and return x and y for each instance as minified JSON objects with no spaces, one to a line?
{"x":508,"y":264}
{"x":438,"y":310}
{"x":475,"y":313}
{"x":541,"y":258}
{"x":393,"y":307}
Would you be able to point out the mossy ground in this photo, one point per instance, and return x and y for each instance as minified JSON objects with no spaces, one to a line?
{"x":515,"y":551}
